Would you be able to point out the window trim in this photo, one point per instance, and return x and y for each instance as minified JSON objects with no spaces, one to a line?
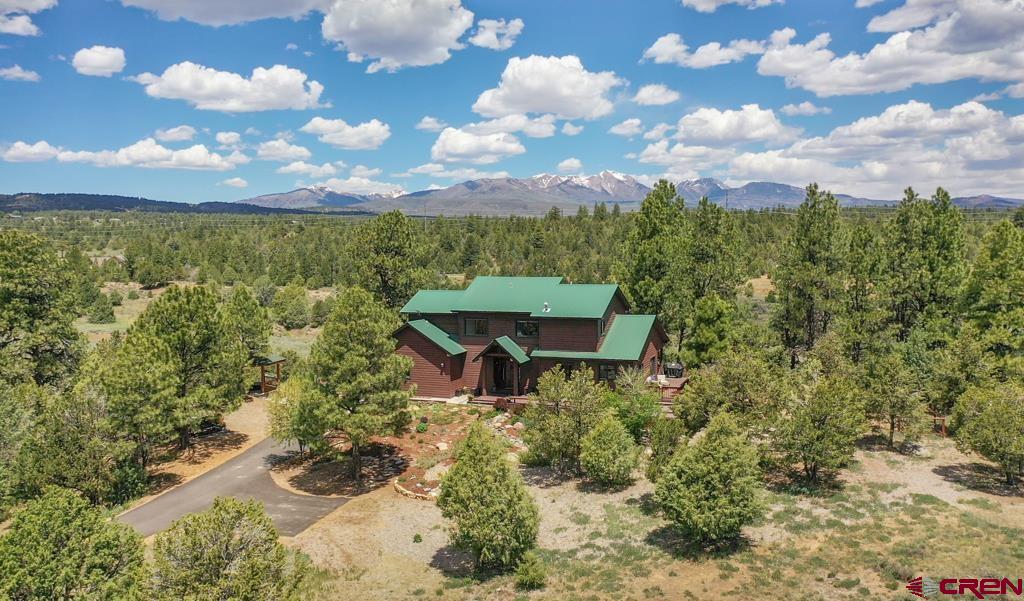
{"x":601,"y":369}
{"x":465,"y":326}
{"x":533,"y":321}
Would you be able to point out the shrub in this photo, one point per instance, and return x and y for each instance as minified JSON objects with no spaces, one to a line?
{"x":493,"y":515}
{"x":990,"y":421}
{"x":60,"y":547}
{"x":821,"y":426}
{"x":421,"y":427}
{"x":101,"y":311}
{"x":609,"y":456}
{"x":665,"y":436}
{"x":133,"y":294}
{"x":711,"y":489}
{"x":635,"y":402}
{"x":291,"y":307}
{"x":531,"y":573}
{"x":230,"y":551}
{"x":115,"y":298}
{"x":564,"y":411}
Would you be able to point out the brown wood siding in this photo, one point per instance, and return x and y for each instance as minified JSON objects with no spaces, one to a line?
{"x":652,"y":349}
{"x":431,"y":366}
{"x":568,"y":334}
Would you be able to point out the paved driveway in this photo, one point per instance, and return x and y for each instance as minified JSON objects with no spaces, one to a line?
{"x":243,"y":477}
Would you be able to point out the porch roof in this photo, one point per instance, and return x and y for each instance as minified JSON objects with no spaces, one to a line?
{"x":624,"y":341}
{"x":509,"y":346}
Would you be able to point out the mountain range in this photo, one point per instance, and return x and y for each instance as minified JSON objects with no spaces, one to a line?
{"x":538,"y":194}
{"x":490,"y":196}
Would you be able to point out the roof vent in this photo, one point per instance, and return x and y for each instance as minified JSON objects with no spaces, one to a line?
{"x":547,"y":307}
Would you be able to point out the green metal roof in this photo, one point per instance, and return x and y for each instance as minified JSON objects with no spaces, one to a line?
{"x":432,"y":301}
{"x":624,"y":341}
{"x":527,"y":295}
{"x":437,"y":336}
{"x":510,"y":347}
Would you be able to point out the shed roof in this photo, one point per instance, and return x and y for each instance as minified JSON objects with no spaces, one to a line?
{"x":436,"y":335}
{"x":525,"y":295}
{"x":624,"y":341}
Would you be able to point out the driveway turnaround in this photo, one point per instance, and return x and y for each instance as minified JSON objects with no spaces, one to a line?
{"x":243,"y":477}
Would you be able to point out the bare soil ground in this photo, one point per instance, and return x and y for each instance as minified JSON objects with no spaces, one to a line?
{"x":887,"y":518}
{"x":416,"y":459}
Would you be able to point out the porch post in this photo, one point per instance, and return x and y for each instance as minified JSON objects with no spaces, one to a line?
{"x":515,"y":383}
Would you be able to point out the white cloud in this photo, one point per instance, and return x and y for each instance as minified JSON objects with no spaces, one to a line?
{"x":181,"y":133}
{"x":932,"y":41}
{"x":281,"y":150}
{"x":629,"y":128}
{"x":461,"y":173}
{"x":291,"y":46}
{"x":364,"y":171}
{"x":16,"y":73}
{"x":570,"y":165}
{"x":397,"y":34}
{"x":361,"y":185}
{"x":429,"y":123}
{"x":236,"y":182}
{"x":1015,"y":91}
{"x":455,"y":145}
{"x":304,"y":168}
{"x":223,"y":12}
{"x":15,"y":19}
{"x":683,"y":158}
{"x":228,"y":139}
{"x":496,"y":34}
{"x":149,"y":153}
{"x":100,"y":61}
{"x":805,"y":108}
{"x":750,"y":123}
{"x":655,"y":94}
{"x":658,"y":132}
{"x":670,"y":48}
{"x":21,"y":152}
{"x":866,"y":3}
{"x":336,"y":132}
{"x":276,"y":88}
{"x":549,"y":84}
{"x":710,"y":6}
{"x":540,"y":127}
{"x":571,"y":129}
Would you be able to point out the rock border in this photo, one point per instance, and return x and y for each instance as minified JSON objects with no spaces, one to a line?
{"x":405,"y":492}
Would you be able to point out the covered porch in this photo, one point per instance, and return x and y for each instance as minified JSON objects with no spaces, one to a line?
{"x":502,"y":372}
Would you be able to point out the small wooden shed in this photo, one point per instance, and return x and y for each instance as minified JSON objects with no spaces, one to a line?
{"x":270,"y":372}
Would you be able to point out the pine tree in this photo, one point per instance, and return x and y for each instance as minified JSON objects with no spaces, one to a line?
{"x":247,"y":321}
{"x":711,"y":488}
{"x":210,"y":363}
{"x":924,"y":259}
{"x":59,"y":547}
{"x":37,"y":339}
{"x":493,"y":515}
{"x":710,"y":329}
{"x":894,"y":396}
{"x":647,"y":252}
{"x":230,"y":551}
{"x":101,"y":310}
{"x":863,"y":319}
{"x":356,"y":376}
{"x":744,"y":385}
{"x":291,"y":307}
{"x":810,"y":279}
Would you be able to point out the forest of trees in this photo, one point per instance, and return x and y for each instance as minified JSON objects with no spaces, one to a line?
{"x":878,"y":319}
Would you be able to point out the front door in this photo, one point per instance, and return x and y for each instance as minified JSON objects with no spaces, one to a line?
{"x":502,"y":381}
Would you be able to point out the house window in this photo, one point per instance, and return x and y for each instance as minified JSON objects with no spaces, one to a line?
{"x":527,"y":328}
{"x":600,"y":327}
{"x":606,"y":372}
{"x":476,"y":327}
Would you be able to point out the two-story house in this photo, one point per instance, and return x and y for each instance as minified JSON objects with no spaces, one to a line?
{"x":499,"y":334}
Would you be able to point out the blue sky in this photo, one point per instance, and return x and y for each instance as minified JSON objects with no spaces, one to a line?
{"x":864,"y":96}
